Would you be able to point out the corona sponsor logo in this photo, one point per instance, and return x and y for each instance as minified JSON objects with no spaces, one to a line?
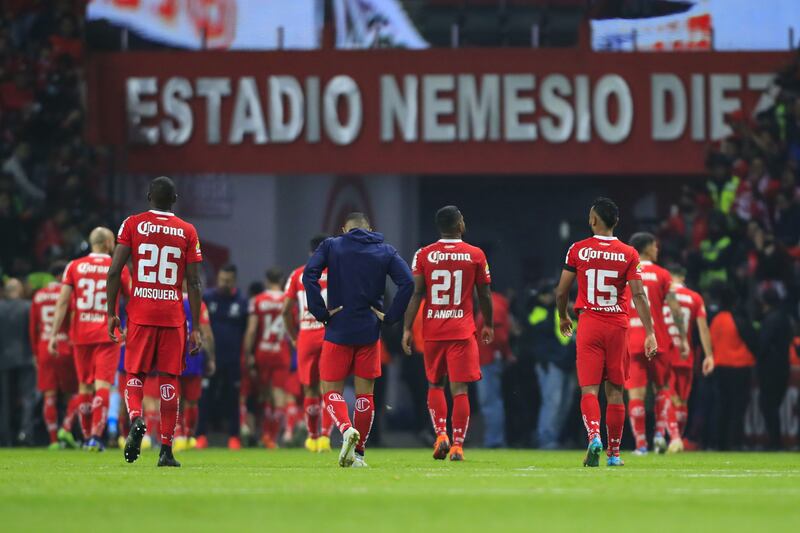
{"x":590,"y":253}
{"x":436,"y":256}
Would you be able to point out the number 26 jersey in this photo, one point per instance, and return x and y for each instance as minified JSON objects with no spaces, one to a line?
{"x":451,"y":269}
{"x":161,"y":246}
{"x":603,"y":266}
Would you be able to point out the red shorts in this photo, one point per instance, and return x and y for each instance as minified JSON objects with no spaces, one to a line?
{"x":644,"y":371}
{"x":191,"y":388}
{"x":155,"y":349}
{"x":459,"y":360}
{"x":681,"y":382}
{"x":272,"y":370}
{"x":602,"y":352}
{"x":96,"y":362}
{"x":309,"y":349}
{"x":56,"y":373}
{"x":339,"y":361}
{"x":150,"y":389}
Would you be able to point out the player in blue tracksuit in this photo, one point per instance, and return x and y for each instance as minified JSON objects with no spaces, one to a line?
{"x":358,"y":262}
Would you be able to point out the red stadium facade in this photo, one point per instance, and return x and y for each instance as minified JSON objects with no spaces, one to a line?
{"x":466,"y":111}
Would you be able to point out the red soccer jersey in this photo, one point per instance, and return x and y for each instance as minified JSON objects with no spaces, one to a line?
{"x":603,"y":266}
{"x":451,"y":269}
{"x":692,"y":308}
{"x":270,"y":335}
{"x":43,"y":312}
{"x":162,"y":245}
{"x":295,"y":289}
{"x":657,"y":284}
{"x":87,"y":277}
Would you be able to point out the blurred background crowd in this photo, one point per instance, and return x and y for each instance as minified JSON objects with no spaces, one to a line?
{"x":735,"y":228}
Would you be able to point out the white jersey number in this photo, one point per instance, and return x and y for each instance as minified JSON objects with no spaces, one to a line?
{"x":92,"y":294}
{"x":443,"y":280}
{"x":164,"y":258}
{"x":596,"y":283}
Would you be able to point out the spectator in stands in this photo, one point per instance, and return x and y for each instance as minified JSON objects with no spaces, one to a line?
{"x":716,"y":252}
{"x":555,"y":366}
{"x":227,"y":309}
{"x":17,"y":371}
{"x":774,"y":341}
{"x":734,"y":340}
{"x":722,"y":186}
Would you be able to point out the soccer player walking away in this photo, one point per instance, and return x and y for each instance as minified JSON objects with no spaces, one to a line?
{"x":307,"y":337}
{"x":603,"y":266}
{"x":54,"y":374}
{"x":446,"y":273}
{"x":267,"y":351}
{"x":163,"y":249}
{"x":693,"y":310}
{"x":83,"y":292}
{"x":659,"y":293}
{"x":358,"y":262}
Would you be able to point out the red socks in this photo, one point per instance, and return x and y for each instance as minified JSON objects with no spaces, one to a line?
{"x":311,"y":413}
{"x":636,"y":413}
{"x":615,"y":421}
{"x":243,"y":411}
{"x":460,"y":419}
{"x":99,"y":412}
{"x":337,"y":409}
{"x":291,"y":416}
{"x":85,"y":410}
{"x":682,"y":415}
{"x":134,"y":392}
{"x":672,"y":421}
{"x":190,"y":416}
{"x":72,"y":411}
{"x":363,"y":418}
{"x":51,"y":417}
{"x":437,"y":407}
{"x":326,"y":423}
{"x":590,"y":410}
{"x":168,"y":387}
{"x":662,"y":409}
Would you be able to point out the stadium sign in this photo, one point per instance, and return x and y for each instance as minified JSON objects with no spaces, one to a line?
{"x":421,"y":112}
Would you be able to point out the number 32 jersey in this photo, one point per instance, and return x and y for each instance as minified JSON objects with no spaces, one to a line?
{"x":451,"y":269}
{"x":162,"y":245}
{"x":603,"y":266}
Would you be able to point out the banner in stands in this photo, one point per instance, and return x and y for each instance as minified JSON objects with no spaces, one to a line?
{"x":473,"y":111}
{"x":216,"y":24}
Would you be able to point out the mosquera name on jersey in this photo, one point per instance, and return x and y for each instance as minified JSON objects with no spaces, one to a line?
{"x":87,"y":277}
{"x":295,"y":289}
{"x":451,"y":269}
{"x":267,"y":307}
{"x":161,"y":246}
{"x":603,"y":266}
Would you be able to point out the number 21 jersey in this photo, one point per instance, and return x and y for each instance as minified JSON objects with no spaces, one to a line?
{"x":451,"y":268}
{"x":603,"y":266}
{"x":161,"y":246}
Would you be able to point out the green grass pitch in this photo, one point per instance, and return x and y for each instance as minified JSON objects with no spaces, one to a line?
{"x":404,"y":490}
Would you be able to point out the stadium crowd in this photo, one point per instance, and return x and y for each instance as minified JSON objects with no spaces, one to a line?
{"x":737,"y":234}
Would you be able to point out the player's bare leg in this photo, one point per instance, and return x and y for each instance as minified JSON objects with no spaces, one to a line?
{"x":590,"y":411}
{"x":637,"y":415}
{"x":437,"y":407}
{"x":336,"y":406}
{"x":615,"y":422}
{"x":460,"y":419}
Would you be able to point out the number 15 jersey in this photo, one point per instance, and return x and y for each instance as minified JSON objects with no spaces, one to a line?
{"x":162,"y":245}
{"x":603,"y":266}
{"x":451,"y":269}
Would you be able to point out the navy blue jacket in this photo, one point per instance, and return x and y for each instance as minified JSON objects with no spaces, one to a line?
{"x":358,"y":263}
{"x":228,"y":314}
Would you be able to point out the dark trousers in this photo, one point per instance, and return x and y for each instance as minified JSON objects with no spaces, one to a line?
{"x":18,"y":398}
{"x":219,"y":404}
{"x":731,"y":396}
{"x":772,"y":389}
